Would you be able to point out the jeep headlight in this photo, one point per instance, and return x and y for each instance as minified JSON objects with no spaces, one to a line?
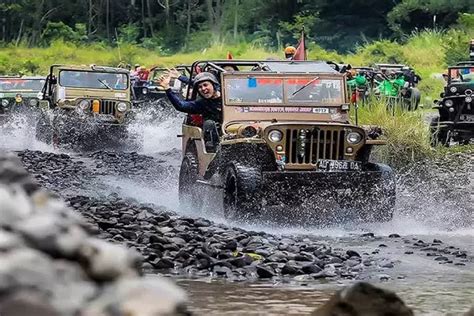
{"x":145,"y":90}
{"x":448,"y":103}
{"x":468,"y":99}
{"x":453,"y":89}
{"x":33,"y":102}
{"x":354,"y":138}
{"x":4,"y":102}
{"x":122,"y":107}
{"x":275,"y":136}
{"x":84,"y":105}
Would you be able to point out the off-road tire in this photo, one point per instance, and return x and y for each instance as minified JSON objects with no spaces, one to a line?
{"x":379,"y":204}
{"x":44,"y":131}
{"x":188,"y":176}
{"x":415,"y":98}
{"x":383,"y":201}
{"x":438,"y":135}
{"x":242,"y":192}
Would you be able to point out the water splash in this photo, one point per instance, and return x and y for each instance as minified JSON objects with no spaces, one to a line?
{"x":18,"y":131}
{"x":158,"y":127}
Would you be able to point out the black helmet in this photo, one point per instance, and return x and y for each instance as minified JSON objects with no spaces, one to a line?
{"x":205,"y":76}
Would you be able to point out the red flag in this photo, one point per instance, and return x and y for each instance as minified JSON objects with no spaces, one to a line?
{"x":229,"y":56}
{"x":301,"y":49}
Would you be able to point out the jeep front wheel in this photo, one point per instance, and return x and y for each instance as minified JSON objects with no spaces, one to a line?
{"x":187,"y":187}
{"x":438,"y":134}
{"x":242,"y":185}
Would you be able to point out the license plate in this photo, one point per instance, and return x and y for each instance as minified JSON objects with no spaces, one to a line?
{"x":321,"y":110}
{"x":338,"y":165}
{"x":467,"y":117}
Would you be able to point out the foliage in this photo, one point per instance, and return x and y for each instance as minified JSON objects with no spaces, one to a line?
{"x":174,"y":25}
{"x":406,"y":133}
{"x":421,"y":14}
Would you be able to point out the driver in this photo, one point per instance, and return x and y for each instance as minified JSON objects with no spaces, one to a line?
{"x":209,"y":105}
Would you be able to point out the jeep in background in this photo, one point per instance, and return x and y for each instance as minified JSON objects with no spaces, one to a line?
{"x":455,"y":119}
{"x":19,"y":94}
{"x":149,"y":90}
{"x":84,"y":103}
{"x":286,"y":140}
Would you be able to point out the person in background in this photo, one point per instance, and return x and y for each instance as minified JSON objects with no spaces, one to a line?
{"x":143,"y":73}
{"x":290,"y":52}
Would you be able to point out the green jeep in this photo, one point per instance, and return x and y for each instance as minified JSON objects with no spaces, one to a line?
{"x":84,"y":103}
{"x":19,"y":94}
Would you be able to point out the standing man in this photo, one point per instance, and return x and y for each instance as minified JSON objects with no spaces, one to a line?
{"x":210,"y":104}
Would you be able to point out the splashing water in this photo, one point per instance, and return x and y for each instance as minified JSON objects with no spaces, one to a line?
{"x":17,"y":132}
{"x":158,"y":128}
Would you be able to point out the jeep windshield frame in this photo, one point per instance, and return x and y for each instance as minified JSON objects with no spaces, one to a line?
{"x":21,"y":84}
{"x":260,"y":88}
{"x":84,"y":79}
{"x":457,"y":74}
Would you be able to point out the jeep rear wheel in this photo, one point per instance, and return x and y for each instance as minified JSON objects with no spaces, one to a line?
{"x":188,"y":175}
{"x":242,"y":185}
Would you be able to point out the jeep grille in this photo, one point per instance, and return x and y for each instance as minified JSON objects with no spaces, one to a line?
{"x":107,"y":107}
{"x":319,"y":144}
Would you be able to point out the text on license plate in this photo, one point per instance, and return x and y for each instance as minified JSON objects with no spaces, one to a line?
{"x":332,"y":165}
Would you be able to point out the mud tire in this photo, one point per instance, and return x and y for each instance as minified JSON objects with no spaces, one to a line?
{"x":380,"y":198}
{"x":242,"y":188}
{"x":44,"y":130}
{"x":415,"y":98}
{"x":438,"y":135}
{"x":188,"y":176}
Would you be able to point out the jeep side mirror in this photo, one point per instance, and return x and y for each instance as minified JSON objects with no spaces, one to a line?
{"x":435,"y":101}
{"x":53,"y":81}
{"x":441,"y":95}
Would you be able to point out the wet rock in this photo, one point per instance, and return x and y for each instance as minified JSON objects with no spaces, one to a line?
{"x":148,"y":297}
{"x":311,"y":268}
{"x":394,"y":236}
{"x":364,"y":299}
{"x":265,"y":272}
{"x":352,"y":253}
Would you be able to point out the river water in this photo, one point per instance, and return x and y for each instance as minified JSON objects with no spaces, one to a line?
{"x":429,"y":287}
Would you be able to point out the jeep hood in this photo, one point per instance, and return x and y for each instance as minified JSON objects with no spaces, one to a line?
{"x":74,"y":93}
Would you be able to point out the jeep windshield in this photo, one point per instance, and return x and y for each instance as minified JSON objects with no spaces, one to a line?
{"x":461,"y":74}
{"x":308,"y":90}
{"x":93,"y":80}
{"x":21,"y":84}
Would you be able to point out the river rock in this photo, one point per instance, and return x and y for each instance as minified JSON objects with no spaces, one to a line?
{"x":364,"y":299}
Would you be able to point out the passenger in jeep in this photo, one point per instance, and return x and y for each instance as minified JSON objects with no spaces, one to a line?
{"x":209,"y":104}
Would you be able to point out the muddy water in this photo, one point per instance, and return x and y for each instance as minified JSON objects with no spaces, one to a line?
{"x":425,"y":285}
{"x":429,"y":287}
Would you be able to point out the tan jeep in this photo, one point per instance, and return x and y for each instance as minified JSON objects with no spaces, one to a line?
{"x":84,"y":100}
{"x":285,"y":140}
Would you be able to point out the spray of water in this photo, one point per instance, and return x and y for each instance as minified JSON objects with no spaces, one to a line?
{"x":157,"y":125}
{"x":17,"y":132}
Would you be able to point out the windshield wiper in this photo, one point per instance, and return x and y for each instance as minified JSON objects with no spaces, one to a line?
{"x":105,"y":84}
{"x":307,"y":84}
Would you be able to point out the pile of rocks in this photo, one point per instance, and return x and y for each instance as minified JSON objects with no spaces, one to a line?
{"x":198,"y":247}
{"x":50,"y":263}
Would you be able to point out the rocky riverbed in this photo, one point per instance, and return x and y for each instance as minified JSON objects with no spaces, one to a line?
{"x":193,"y":246}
